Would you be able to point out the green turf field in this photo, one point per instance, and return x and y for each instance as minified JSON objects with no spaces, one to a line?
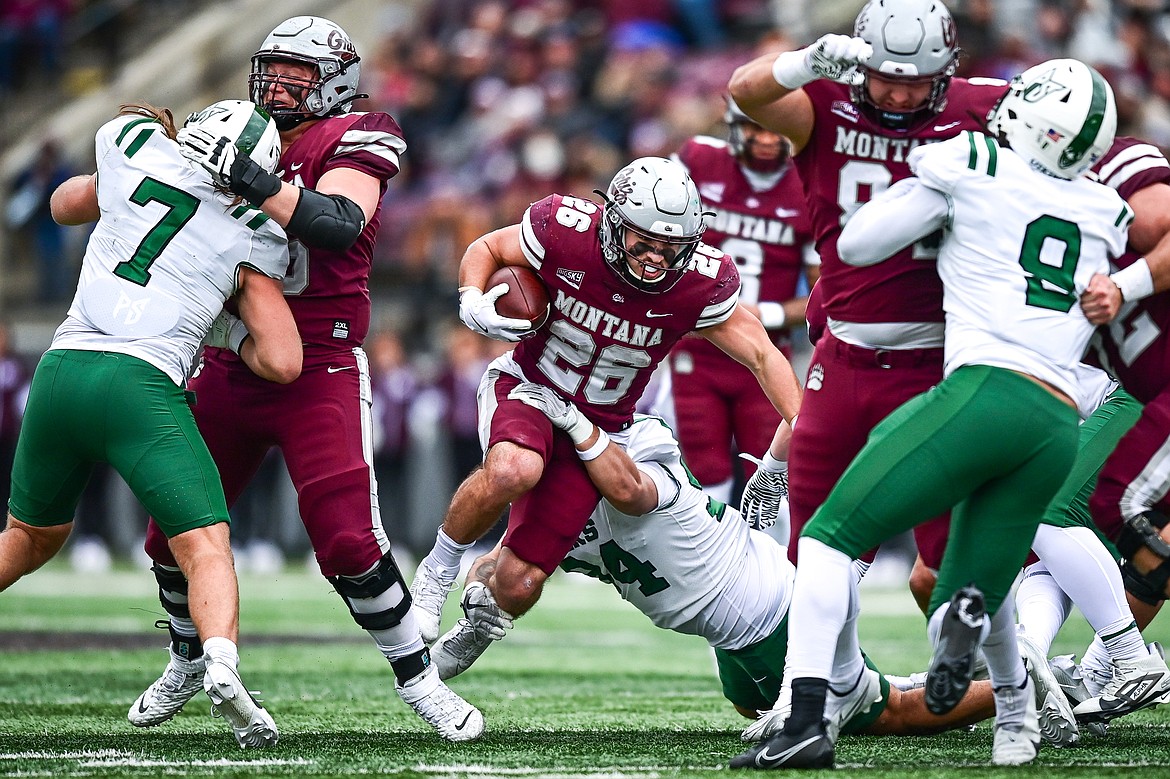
{"x":583,"y":687}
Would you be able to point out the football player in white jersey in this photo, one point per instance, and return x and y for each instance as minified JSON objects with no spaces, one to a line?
{"x":168,"y":250}
{"x":1024,"y":233}
{"x":692,"y":565}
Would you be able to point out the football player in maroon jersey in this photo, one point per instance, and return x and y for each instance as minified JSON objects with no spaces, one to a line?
{"x":627,"y":280}
{"x":335,"y":165}
{"x":761,"y":220}
{"x":853,"y":108}
{"x":1130,"y":499}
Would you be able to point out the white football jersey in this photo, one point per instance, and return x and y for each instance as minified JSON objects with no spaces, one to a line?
{"x":1020,"y":248}
{"x":691,"y":565}
{"x":164,"y":255}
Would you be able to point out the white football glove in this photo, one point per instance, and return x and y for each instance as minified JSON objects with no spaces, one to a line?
{"x":214,"y":153}
{"x":562,"y":413}
{"x":477,"y":310}
{"x":834,"y":57}
{"x":485,"y":616}
{"x":763,"y":494}
{"x":227,"y":332}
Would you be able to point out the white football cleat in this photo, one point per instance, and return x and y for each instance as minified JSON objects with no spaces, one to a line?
{"x":428,"y":594}
{"x":840,"y":708}
{"x":230,"y":699}
{"x":1058,"y":724}
{"x":1017,"y":725}
{"x":181,"y":681}
{"x":454,"y":718}
{"x":1072,"y":683}
{"x":1136,"y":684}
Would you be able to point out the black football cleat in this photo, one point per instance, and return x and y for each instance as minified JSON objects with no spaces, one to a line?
{"x":953,"y":662}
{"x":809,"y":748}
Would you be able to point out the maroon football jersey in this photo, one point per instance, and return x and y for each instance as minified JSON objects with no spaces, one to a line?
{"x":1134,"y":347}
{"x":604,"y":336}
{"x":764,"y":231}
{"x":848,"y":160}
{"x":328,"y":291}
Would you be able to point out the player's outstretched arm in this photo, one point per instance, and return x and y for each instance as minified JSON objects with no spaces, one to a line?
{"x":619,"y":480}
{"x":743,"y":338}
{"x":768,"y":88}
{"x":906,"y":212}
{"x":906,"y":713}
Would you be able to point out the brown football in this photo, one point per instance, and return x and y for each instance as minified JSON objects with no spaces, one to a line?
{"x":526,"y":298}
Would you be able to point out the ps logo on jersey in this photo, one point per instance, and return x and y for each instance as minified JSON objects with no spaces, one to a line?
{"x":617,"y":298}
{"x":571,"y":277}
{"x":816,"y":378}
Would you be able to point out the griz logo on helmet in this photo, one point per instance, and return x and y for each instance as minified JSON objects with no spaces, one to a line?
{"x":621,"y":188}
{"x":341,"y":45}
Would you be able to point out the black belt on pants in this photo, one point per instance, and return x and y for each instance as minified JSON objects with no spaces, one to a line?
{"x":864,"y":357}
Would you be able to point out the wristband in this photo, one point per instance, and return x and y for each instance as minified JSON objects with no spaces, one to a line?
{"x":593,"y":452}
{"x":1135,"y":282}
{"x":792,"y":71}
{"x":771,"y":464}
{"x":772,"y":315}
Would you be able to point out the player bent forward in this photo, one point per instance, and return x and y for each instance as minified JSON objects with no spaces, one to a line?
{"x":688,"y":563}
{"x":111,"y":387}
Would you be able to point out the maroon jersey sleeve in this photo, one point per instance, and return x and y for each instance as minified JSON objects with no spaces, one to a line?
{"x":604,"y":336}
{"x":372,"y":143}
{"x":1131,"y":165}
{"x":847,"y":161}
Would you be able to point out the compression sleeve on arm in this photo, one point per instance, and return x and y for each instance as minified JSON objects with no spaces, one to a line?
{"x":326,"y":221}
{"x":904,"y":213}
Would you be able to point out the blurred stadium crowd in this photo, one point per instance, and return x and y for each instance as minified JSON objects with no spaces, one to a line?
{"x":501,"y":102}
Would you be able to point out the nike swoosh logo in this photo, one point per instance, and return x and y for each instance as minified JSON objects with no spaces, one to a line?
{"x":297,"y":165}
{"x":652,"y":315}
{"x":938,"y":128}
{"x":766,"y":759}
{"x":461,"y":725}
{"x":142,"y":707}
{"x":332,"y":369}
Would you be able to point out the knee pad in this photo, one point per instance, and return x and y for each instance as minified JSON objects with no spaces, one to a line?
{"x":377,"y":599}
{"x":1141,"y":532}
{"x":172,"y":590}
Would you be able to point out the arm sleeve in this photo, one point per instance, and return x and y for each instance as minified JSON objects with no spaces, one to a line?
{"x":899,"y":216}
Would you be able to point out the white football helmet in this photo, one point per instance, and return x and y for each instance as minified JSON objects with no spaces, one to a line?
{"x":653,"y":197}
{"x":309,"y":40}
{"x":912,"y":40}
{"x":249,"y":127}
{"x":1059,"y":115}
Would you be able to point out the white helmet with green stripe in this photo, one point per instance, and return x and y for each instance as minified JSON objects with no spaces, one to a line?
{"x":249,"y":127}
{"x":1059,"y":115}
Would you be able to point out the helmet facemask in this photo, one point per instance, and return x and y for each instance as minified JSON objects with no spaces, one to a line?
{"x":651,"y":201}
{"x":324,"y":48}
{"x":742,"y":146}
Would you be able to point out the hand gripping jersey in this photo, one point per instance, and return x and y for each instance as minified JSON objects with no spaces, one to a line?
{"x":692,"y":564}
{"x":1134,"y":347}
{"x":604,"y":337}
{"x":1024,"y":243}
{"x":164,"y":255}
{"x":765,"y":231}
{"x":328,"y":291}
{"x":848,"y":160}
